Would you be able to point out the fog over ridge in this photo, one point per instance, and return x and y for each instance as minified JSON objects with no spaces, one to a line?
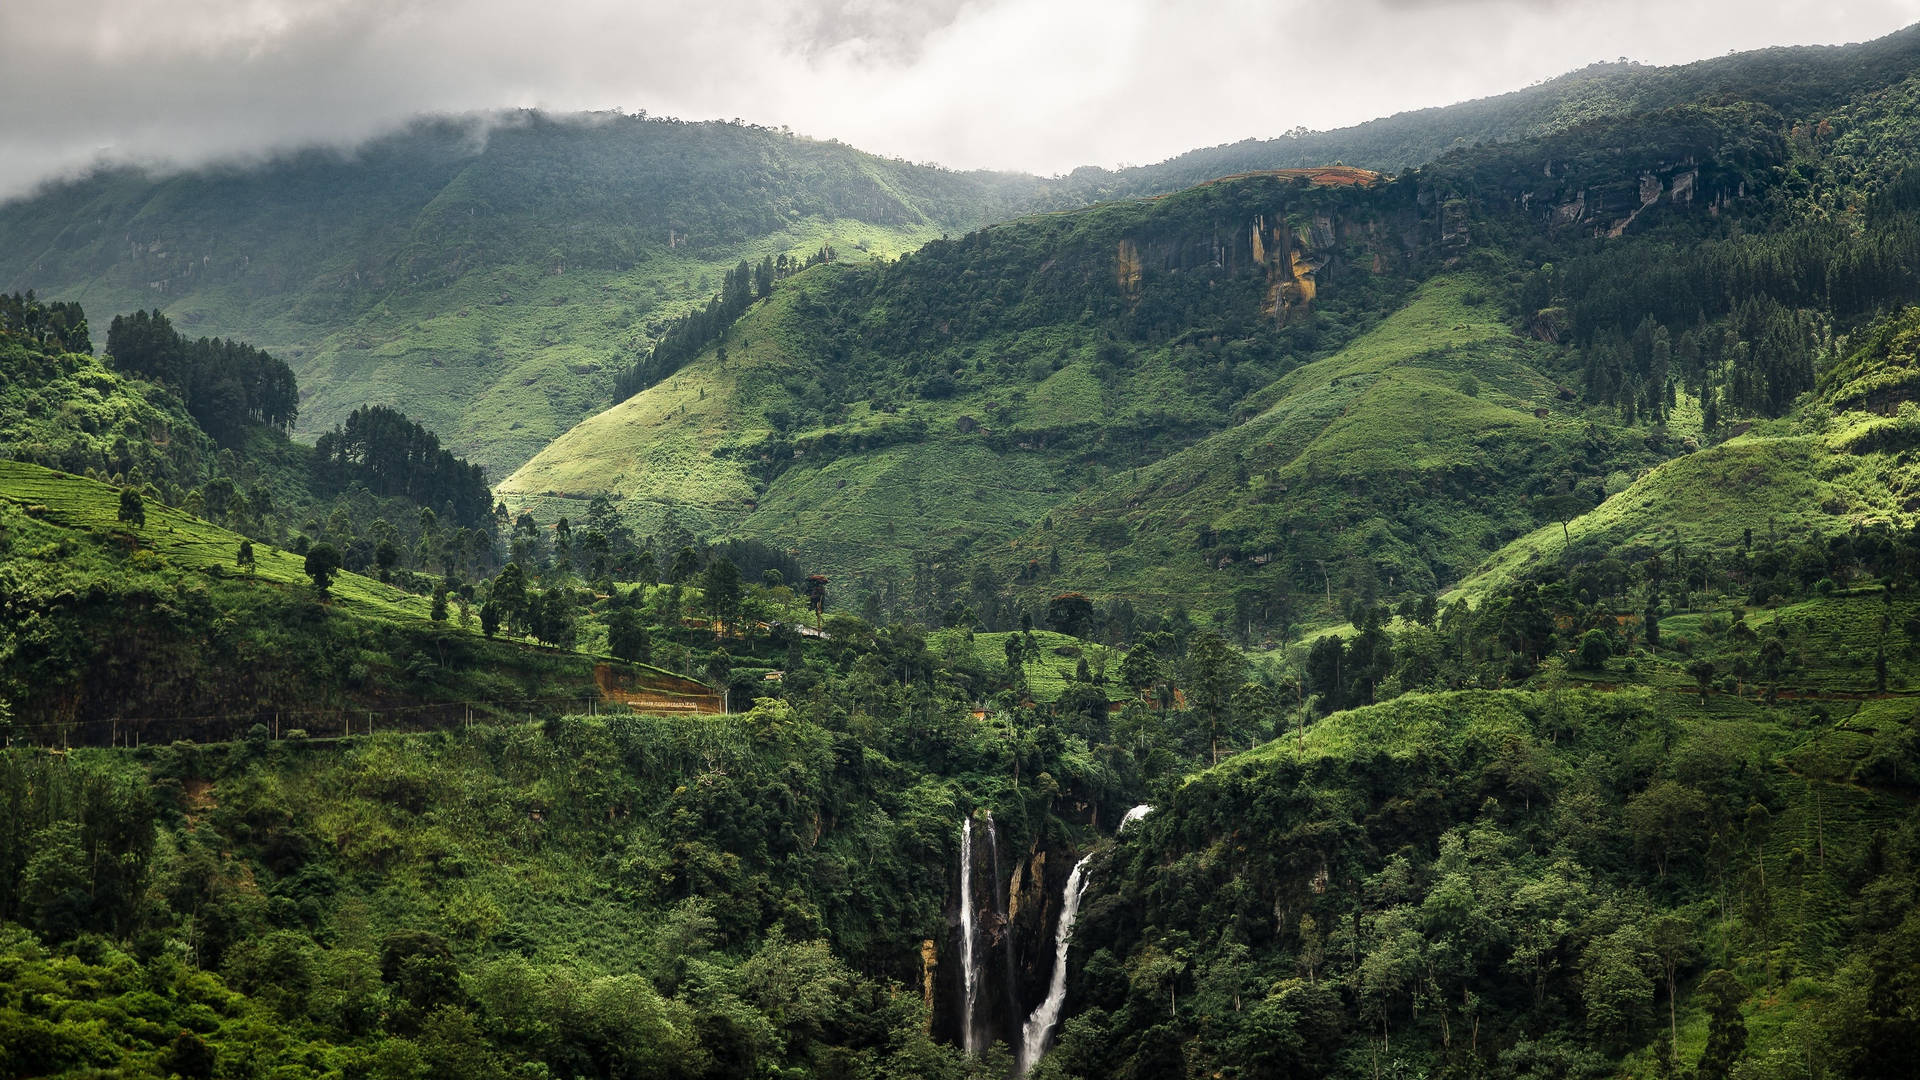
{"x":1037,"y":86}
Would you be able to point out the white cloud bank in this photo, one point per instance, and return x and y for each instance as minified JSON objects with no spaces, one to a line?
{"x":1037,"y":85}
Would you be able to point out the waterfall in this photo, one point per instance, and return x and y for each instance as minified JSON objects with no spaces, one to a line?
{"x":1033,"y":1039}
{"x":1133,"y":815}
{"x":969,"y":971}
{"x":1006,"y":925}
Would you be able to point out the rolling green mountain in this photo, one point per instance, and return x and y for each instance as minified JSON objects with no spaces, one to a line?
{"x":979,"y":381}
{"x":493,"y":277}
{"x":1797,"y":80}
{"x":1268,"y":387}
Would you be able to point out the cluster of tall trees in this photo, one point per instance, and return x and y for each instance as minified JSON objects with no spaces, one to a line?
{"x":1737,"y":321}
{"x":683,"y":339}
{"x":56,"y":324}
{"x":225,"y":384}
{"x":380,"y":448}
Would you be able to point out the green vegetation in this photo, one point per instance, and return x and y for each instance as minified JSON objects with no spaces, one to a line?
{"x":490,"y":278}
{"x":1500,"y":580}
{"x":901,"y":421}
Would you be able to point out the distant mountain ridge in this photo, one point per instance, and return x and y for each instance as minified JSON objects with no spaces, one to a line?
{"x":495,"y":287}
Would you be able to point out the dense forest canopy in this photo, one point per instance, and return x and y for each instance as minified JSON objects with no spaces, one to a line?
{"x":380,"y":448}
{"x":225,"y":384}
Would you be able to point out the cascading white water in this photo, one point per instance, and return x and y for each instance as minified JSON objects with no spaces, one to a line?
{"x":1039,"y":1027}
{"x":969,"y":973}
{"x":1132,"y":816}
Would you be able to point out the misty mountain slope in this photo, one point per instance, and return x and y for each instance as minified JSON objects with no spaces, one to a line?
{"x":494,"y":281}
{"x":490,"y":280}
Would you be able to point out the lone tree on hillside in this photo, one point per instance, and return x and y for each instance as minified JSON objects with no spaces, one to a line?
{"x":1703,"y":672}
{"x":817,"y":596}
{"x":627,"y":636}
{"x":133,"y":509}
{"x":1070,"y":613}
{"x":721,"y":584}
{"x":1594,"y":650}
{"x":244,"y":560}
{"x":323,"y":564}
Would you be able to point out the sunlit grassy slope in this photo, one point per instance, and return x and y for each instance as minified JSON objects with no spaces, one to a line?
{"x":1787,"y":478}
{"x":173,"y":540}
{"x":1418,"y":444}
{"x":1421,"y":441}
{"x":943,"y":405}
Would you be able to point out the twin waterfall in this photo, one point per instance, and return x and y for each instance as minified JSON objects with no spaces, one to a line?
{"x":979,"y":1016}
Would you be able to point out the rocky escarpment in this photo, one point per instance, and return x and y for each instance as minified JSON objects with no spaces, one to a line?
{"x":1289,"y":239}
{"x":1591,"y":180}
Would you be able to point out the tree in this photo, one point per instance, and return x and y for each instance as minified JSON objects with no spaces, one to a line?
{"x":244,"y":560}
{"x":627,"y":636}
{"x":1070,"y":614}
{"x":719,"y":666}
{"x":323,"y":564}
{"x":1703,"y":672}
{"x":552,"y":619}
{"x":54,"y":886}
{"x":1726,"y":1028}
{"x":133,"y":509}
{"x":1140,"y":669}
{"x":1667,"y":821}
{"x":721,"y":584}
{"x":1215,"y":670}
{"x":1594,"y":650}
{"x":509,"y":596}
{"x":1672,"y":938}
{"x":817,"y":596}
{"x":489,"y":618}
{"x":439,"y":612}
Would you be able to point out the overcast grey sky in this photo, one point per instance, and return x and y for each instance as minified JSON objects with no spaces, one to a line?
{"x":1040,"y":85}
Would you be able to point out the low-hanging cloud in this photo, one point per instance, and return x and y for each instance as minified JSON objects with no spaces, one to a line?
{"x":1036,"y":85}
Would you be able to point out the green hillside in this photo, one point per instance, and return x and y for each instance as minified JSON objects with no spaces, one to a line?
{"x":491,"y":277}
{"x":932,"y":408}
{"x":153,"y":630}
{"x":1828,"y":469}
{"x":1461,"y":621}
{"x":1216,"y":400}
{"x":1388,"y":467}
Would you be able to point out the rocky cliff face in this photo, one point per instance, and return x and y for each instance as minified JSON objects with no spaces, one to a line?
{"x":1587,"y":181}
{"x":1289,"y":238}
